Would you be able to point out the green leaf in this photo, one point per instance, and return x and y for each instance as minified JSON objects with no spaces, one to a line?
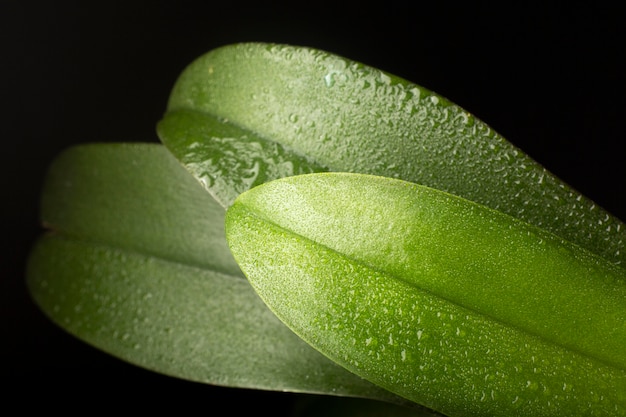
{"x":226,"y":159}
{"x":453,"y":305}
{"x":244,"y":114}
{"x":136,"y":264}
{"x":135,"y":197}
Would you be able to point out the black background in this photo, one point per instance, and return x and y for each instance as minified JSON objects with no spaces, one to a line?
{"x":551,"y":80}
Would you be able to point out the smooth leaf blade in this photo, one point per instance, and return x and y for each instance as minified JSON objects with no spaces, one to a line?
{"x":179,"y":320}
{"x":135,"y":197}
{"x":137,"y":265}
{"x":346,"y":116}
{"x":450,"y":304}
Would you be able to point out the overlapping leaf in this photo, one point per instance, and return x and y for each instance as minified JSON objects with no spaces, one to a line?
{"x":137,"y":265}
{"x":232,"y":107}
{"x":453,"y":305}
{"x":134,"y":235}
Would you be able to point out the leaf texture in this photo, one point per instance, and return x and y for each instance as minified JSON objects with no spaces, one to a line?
{"x":247,"y":113}
{"x":136,"y":264}
{"x":451,"y":304}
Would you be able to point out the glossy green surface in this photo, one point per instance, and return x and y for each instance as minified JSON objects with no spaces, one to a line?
{"x":137,"y":265}
{"x":501,"y":319}
{"x":135,"y":197}
{"x":226,"y":159}
{"x":341,"y":115}
{"x":453,"y":305}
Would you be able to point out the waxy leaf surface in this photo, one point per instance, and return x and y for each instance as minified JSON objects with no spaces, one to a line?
{"x":136,"y":264}
{"x":244,"y":114}
{"x":453,"y":305}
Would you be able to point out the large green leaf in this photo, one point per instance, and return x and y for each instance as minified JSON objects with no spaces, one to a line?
{"x":247,"y":113}
{"x":136,"y":264}
{"x":451,"y":304}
